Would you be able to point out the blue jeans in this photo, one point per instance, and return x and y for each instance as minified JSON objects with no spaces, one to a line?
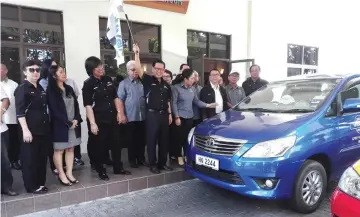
{"x":6,"y":176}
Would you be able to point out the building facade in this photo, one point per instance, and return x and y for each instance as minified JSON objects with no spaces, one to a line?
{"x":285,"y":37}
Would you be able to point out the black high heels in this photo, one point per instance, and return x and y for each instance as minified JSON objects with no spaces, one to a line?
{"x":63,"y":183}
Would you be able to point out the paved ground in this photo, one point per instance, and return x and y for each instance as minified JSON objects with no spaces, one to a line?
{"x":190,"y":198}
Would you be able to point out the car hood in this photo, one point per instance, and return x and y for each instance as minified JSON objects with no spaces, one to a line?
{"x":252,"y":126}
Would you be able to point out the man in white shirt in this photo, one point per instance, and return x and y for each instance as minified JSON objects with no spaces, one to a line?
{"x":10,"y":120}
{"x":213,"y":93}
{"x":6,"y":176}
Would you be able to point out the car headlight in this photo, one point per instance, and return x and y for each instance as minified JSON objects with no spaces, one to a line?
{"x":190,"y":135}
{"x":350,"y":181}
{"x":271,"y":148}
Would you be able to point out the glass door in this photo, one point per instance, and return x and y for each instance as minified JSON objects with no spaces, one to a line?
{"x":242,"y":66}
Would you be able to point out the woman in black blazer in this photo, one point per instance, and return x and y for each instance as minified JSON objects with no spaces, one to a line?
{"x":65,"y":121}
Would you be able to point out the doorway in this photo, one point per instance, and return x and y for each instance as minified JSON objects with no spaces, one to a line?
{"x":204,"y":65}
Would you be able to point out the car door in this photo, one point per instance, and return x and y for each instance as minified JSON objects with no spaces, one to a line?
{"x":349,"y":127}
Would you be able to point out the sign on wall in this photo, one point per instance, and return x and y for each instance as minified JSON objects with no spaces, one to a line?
{"x":177,"y":6}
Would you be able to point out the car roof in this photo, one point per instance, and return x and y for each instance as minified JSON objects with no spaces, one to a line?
{"x":317,"y":77}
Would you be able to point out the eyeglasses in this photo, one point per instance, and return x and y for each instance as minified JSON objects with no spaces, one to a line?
{"x":32,"y":70}
{"x":158,"y":69}
{"x":133,"y":70}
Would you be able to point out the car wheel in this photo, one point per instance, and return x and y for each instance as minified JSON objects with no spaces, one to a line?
{"x":310,"y":187}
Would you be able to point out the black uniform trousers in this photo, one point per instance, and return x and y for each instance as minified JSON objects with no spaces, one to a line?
{"x":181,"y":135}
{"x":6,"y":175}
{"x":196,"y":122}
{"x":157,"y":131}
{"x":14,"y":143}
{"x":98,"y":147}
{"x":135,"y":139}
{"x":107,"y":158}
{"x":33,"y":157}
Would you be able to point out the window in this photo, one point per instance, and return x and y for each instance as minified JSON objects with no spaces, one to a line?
{"x":302,"y":59}
{"x":37,"y":35}
{"x":146,"y":35}
{"x":208,"y":44}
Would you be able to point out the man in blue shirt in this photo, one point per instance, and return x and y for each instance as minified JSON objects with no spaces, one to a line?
{"x":132,"y":110}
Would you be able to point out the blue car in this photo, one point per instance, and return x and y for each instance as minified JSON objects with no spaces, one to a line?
{"x":287,"y":140}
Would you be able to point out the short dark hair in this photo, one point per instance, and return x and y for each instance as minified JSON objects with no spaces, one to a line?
{"x":169,"y":73}
{"x":254,"y":65}
{"x":158,"y":61}
{"x":30,"y":63}
{"x":185,"y":74}
{"x":182,"y":65}
{"x":214,"y":70}
{"x":92,"y":63}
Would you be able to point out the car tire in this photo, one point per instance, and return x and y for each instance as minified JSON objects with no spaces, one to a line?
{"x":313,"y":174}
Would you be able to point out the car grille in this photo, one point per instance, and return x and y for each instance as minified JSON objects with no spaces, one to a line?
{"x":218,"y":145}
{"x":222,"y":175}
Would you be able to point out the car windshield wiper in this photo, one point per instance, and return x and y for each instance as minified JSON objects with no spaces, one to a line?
{"x":257,"y":110}
{"x":297,"y":111}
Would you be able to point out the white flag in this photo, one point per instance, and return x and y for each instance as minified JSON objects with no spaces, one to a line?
{"x":113,"y":32}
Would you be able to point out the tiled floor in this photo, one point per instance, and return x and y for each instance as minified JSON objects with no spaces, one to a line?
{"x":89,"y":188}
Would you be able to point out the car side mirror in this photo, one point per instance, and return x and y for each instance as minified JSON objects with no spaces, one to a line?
{"x":351,"y":105}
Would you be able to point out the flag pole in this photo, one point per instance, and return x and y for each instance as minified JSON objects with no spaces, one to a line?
{"x":128,"y":23}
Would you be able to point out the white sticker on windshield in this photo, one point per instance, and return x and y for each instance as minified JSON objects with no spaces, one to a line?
{"x":320,"y":97}
{"x":287,"y":99}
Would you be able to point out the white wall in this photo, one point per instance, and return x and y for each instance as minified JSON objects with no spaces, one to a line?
{"x":330,"y":25}
{"x":81,"y":29}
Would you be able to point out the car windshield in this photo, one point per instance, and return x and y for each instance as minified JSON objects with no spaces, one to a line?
{"x":293,"y":96}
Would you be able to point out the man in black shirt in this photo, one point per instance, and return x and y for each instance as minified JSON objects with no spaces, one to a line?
{"x":158,"y":115}
{"x":253,"y":83}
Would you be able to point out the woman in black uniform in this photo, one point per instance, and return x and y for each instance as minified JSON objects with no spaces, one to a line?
{"x":102,"y":111}
{"x":31,"y":111}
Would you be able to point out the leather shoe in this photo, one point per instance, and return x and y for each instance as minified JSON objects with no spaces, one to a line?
{"x":154,"y":170}
{"x":142,"y":162}
{"x":122,"y":172}
{"x":134,"y":165}
{"x":103,"y":176}
{"x":10,"y":193}
{"x":166,"y":168}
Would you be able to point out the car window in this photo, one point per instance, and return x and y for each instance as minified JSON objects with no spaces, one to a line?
{"x":304,"y":95}
{"x":351,"y":92}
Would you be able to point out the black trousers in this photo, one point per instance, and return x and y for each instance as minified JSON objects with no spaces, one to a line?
{"x":33,"y":157}
{"x":89,"y":148}
{"x":77,"y":152}
{"x":157,"y":131}
{"x":6,"y":175}
{"x":135,"y":140}
{"x":196,"y":122}
{"x":172,"y":139}
{"x":14,"y":143}
{"x":98,"y":147}
{"x":182,"y":132}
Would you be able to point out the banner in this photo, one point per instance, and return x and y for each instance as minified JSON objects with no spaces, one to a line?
{"x":113,"y":31}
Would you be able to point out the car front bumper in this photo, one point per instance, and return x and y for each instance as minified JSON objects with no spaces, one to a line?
{"x":343,"y":205}
{"x":245,"y":176}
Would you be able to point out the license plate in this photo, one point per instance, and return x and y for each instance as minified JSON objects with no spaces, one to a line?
{"x":207,"y":162}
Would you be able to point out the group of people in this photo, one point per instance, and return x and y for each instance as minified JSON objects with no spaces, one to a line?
{"x":144,"y":110}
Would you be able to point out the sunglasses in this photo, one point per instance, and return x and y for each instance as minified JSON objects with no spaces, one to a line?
{"x":32,"y":70}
